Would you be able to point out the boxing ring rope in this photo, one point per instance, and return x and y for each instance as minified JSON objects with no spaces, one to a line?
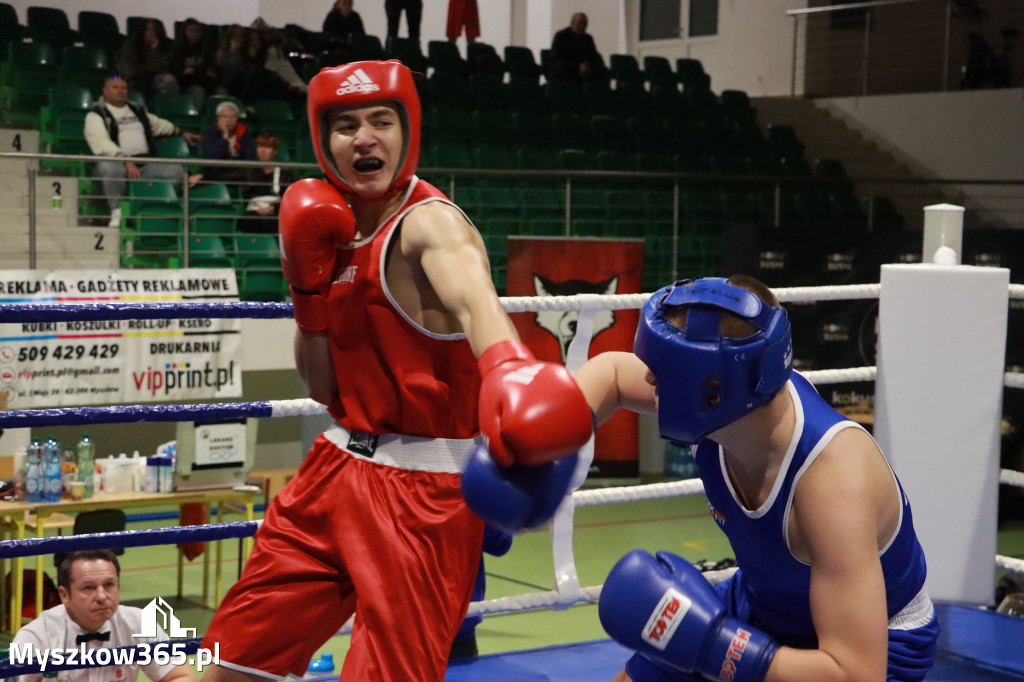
{"x":567,"y":592}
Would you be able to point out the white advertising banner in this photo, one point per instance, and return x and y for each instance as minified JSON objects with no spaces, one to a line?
{"x":90,"y":362}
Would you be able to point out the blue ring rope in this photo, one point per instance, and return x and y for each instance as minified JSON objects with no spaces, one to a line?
{"x":62,"y":312}
{"x":8,"y":669}
{"x":123,"y":414}
{"x":147,"y":537}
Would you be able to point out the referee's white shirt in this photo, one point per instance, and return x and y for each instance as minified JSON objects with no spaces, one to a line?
{"x":55,"y":630}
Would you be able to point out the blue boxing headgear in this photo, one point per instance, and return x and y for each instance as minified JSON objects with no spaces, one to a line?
{"x":706,"y":381}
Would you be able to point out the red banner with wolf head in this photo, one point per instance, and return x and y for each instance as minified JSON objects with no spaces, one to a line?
{"x":555,"y":266}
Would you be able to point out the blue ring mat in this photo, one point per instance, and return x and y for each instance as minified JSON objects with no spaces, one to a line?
{"x":976,"y":645}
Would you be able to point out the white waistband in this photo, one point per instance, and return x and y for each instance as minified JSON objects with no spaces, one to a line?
{"x":916,"y":614}
{"x":417,"y":453}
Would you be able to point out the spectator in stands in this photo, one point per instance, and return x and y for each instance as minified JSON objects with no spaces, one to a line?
{"x":194,"y":63}
{"x":231,"y":57}
{"x":265,"y":71}
{"x":463,"y":13}
{"x":276,"y":61}
{"x":228,"y":139}
{"x":118,"y":128}
{"x":342,"y":21}
{"x":144,"y":62}
{"x":266,"y":187}
{"x":91,"y":615}
{"x":574,"y":57}
{"x":413,"y":13}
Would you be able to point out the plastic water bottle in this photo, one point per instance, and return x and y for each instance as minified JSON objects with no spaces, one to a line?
{"x":319,"y":667}
{"x":54,"y":486}
{"x":34,"y":471}
{"x":87,"y":464}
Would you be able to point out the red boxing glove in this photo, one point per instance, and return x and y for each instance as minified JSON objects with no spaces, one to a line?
{"x":531,"y":412}
{"x":314,"y":221}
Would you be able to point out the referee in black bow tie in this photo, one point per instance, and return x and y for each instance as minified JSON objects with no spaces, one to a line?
{"x":91,"y":617}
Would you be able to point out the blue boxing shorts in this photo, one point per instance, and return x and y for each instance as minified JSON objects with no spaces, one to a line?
{"x":913,"y":640}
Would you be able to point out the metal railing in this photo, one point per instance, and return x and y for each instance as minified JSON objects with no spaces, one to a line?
{"x":681,"y":216}
{"x":904,"y":46}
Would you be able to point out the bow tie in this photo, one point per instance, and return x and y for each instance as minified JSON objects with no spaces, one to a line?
{"x":98,"y":636}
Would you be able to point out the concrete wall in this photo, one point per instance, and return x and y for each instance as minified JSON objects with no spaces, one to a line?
{"x":972,"y":135}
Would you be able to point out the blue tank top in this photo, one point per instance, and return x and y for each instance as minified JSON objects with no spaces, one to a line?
{"x":777,"y":585}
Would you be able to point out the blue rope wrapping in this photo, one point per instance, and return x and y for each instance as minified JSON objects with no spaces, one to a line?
{"x":13,"y":549}
{"x":123,"y":414}
{"x":63,"y":312}
{"x":8,"y":669}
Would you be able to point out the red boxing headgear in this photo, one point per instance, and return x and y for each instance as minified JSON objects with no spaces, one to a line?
{"x":360,"y":84}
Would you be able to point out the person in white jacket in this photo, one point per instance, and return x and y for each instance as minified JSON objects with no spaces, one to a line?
{"x":118,"y":128}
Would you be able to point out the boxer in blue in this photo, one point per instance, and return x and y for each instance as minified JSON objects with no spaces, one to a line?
{"x":831,"y":579}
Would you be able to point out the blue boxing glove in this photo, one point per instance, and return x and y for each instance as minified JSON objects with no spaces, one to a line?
{"x":515,"y":497}
{"x":662,"y":607}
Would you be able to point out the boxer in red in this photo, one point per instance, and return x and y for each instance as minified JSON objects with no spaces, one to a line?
{"x":401,"y":334}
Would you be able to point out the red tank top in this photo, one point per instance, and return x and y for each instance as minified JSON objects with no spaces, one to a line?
{"x":393,"y":375}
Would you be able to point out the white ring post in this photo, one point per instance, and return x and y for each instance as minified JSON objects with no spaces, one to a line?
{"x":938,"y":406}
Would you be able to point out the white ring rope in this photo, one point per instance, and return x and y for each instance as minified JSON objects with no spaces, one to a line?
{"x":1010,"y":564}
{"x":587,"y":305}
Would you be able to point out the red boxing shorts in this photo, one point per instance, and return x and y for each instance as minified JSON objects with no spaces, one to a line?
{"x":463,"y":13}
{"x":397,"y":547}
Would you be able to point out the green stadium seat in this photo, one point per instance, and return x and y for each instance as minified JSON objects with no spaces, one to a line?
{"x":366,"y":47}
{"x":65,"y":112}
{"x":532,"y":130}
{"x":179,"y":109}
{"x":443,"y":55}
{"x":484,"y":59}
{"x":598,"y":98}
{"x":407,"y":51}
{"x":100,"y":29}
{"x":277,"y":117}
{"x":653,"y":162}
{"x":155,"y":238}
{"x":49,"y":25}
{"x":490,"y":94}
{"x":491,"y":128}
{"x":173,"y":147}
{"x":658,"y":70}
{"x":220,"y":220}
{"x":527,"y":95}
{"x":609,"y":133}
{"x":624,"y":68}
{"x":645,"y":135}
{"x":258,"y":265}
{"x":690,"y":72}
{"x":449,"y":89}
{"x":84,"y":65}
{"x":208,"y":194}
{"x":10,"y":30}
{"x":632,"y":99}
{"x":520,"y":63}
{"x":32,"y":69}
{"x":571,"y":131}
{"x":702,"y":104}
{"x":146,"y":193}
{"x":566,"y":97}
{"x":446,"y":125}
{"x":543,"y":211}
{"x":452,"y":156}
{"x":207,"y":251}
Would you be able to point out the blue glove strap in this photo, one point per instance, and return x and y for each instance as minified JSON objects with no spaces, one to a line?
{"x":739,"y":652}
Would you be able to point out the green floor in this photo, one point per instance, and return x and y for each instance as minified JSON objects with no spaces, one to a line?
{"x":602,"y":534}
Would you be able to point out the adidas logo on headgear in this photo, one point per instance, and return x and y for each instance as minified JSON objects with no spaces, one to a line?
{"x":357,"y":82}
